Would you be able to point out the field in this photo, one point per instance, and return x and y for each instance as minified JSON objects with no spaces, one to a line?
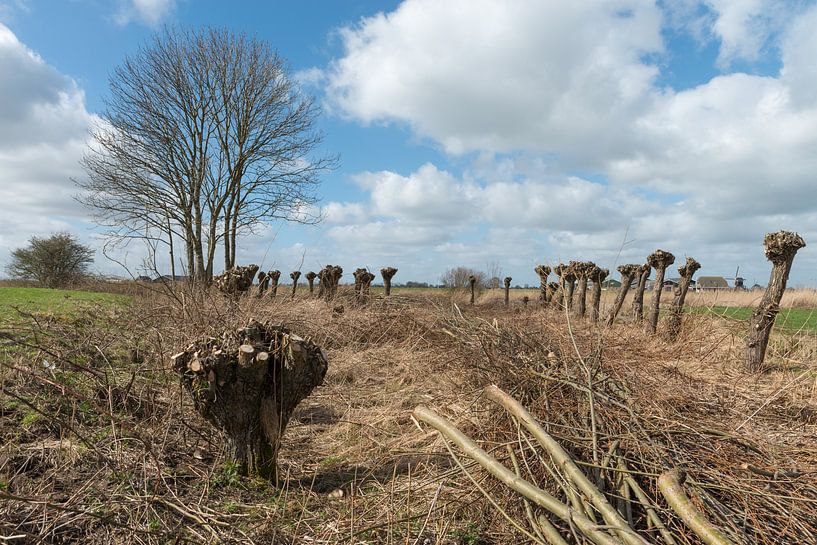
{"x":101,"y":445}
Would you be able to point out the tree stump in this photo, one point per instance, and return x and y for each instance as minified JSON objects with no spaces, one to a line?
{"x":780,"y":249}
{"x":558,"y":298}
{"x":569,"y":276}
{"x":387,"y":273}
{"x":638,"y":297}
{"x":628,"y":274}
{"x":597,"y":275}
{"x":658,"y":260}
{"x":507,"y":290}
{"x":581,"y":269}
{"x":246,"y":384}
{"x":263,"y":283}
{"x":329,"y":278}
{"x":674,"y":323}
{"x":472,"y":282}
{"x":294,"y":275}
{"x":275,"y":275}
{"x":310,"y":279}
{"x":237,"y":280}
{"x":553,"y":293}
{"x":543,"y":271}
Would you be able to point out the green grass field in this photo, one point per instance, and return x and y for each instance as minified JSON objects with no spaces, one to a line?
{"x":790,"y":320}
{"x":58,"y":302}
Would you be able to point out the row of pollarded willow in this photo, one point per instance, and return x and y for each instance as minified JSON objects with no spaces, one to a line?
{"x":239,"y":280}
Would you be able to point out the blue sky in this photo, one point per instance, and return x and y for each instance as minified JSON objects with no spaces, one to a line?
{"x":471,"y":131}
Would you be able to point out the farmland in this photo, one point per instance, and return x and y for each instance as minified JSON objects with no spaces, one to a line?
{"x":123,"y":457}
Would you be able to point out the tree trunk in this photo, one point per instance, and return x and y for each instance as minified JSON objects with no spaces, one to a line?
{"x":659,"y":260}
{"x":387,"y":273}
{"x":543,"y":271}
{"x":508,"y":290}
{"x":674,"y":322}
{"x":570,"y":287}
{"x":310,"y":278}
{"x":581,"y":271}
{"x":598,"y":276}
{"x":638,"y":298}
{"x":172,"y":256}
{"x":294,"y":275}
{"x":628,"y":273}
{"x":780,"y":248}
{"x":472,"y":282}
{"x":276,"y":277}
{"x":246,"y":384}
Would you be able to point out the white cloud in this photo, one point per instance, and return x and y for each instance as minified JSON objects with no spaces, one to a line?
{"x":150,"y":12}
{"x":480,"y":74}
{"x":43,"y":130}
{"x":706,"y":170}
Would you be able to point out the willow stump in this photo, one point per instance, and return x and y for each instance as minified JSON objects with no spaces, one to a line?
{"x":658,"y":260}
{"x":310,"y":279}
{"x":329,"y":278}
{"x":686,"y":271}
{"x":507,"y":290}
{"x":558,"y":298}
{"x":543,"y":271}
{"x":780,"y":248}
{"x":581,"y":269}
{"x":597,"y":275}
{"x":553,"y":292}
{"x":387,"y":273}
{"x":569,"y":276}
{"x":472,"y":282}
{"x":638,"y":297}
{"x":628,"y":273}
{"x":236,"y":280}
{"x":276,"y":277}
{"x":263,"y":283}
{"x":294,"y":275}
{"x":246,"y":384}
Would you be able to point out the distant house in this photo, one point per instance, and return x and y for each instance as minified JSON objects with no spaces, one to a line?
{"x":712,"y":283}
{"x":610,"y":283}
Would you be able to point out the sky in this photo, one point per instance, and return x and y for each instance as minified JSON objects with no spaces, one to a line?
{"x":469,"y":132}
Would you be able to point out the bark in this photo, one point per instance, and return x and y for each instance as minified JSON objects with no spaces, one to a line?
{"x":674,"y":323}
{"x":246,"y":384}
{"x":360,"y":279}
{"x":659,"y":260}
{"x":780,"y":248}
{"x":552,"y":291}
{"x":597,"y":275}
{"x":310,"y":278}
{"x":387,"y":273}
{"x":508,"y":290}
{"x":472,"y":282}
{"x":294,"y":275}
{"x":558,"y":297}
{"x":275,"y":275}
{"x":638,"y":298}
{"x":628,"y":274}
{"x":543,"y":271}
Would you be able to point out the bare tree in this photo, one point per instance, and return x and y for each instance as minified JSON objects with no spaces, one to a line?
{"x":458,"y":278}
{"x":507,"y":282}
{"x":628,"y":273}
{"x":638,"y":296}
{"x":310,"y":278}
{"x":54,"y":262}
{"x":387,"y":273}
{"x":674,"y":323}
{"x":658,"y":260}
{"x":780,"y":248}
{"x":204,"y":137}
{"x":294,"y":275}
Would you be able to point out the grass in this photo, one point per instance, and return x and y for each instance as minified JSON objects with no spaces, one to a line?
{"x":52,"y":301}
{"x":790,"y":320}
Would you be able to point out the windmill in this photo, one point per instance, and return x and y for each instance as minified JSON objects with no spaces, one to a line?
{"x":737,"y":280}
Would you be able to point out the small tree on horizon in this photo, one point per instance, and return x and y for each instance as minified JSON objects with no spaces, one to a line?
{"x":53,"y":262}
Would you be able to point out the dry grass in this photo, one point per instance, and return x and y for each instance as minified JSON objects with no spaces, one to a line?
{"x":106,"y":448}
